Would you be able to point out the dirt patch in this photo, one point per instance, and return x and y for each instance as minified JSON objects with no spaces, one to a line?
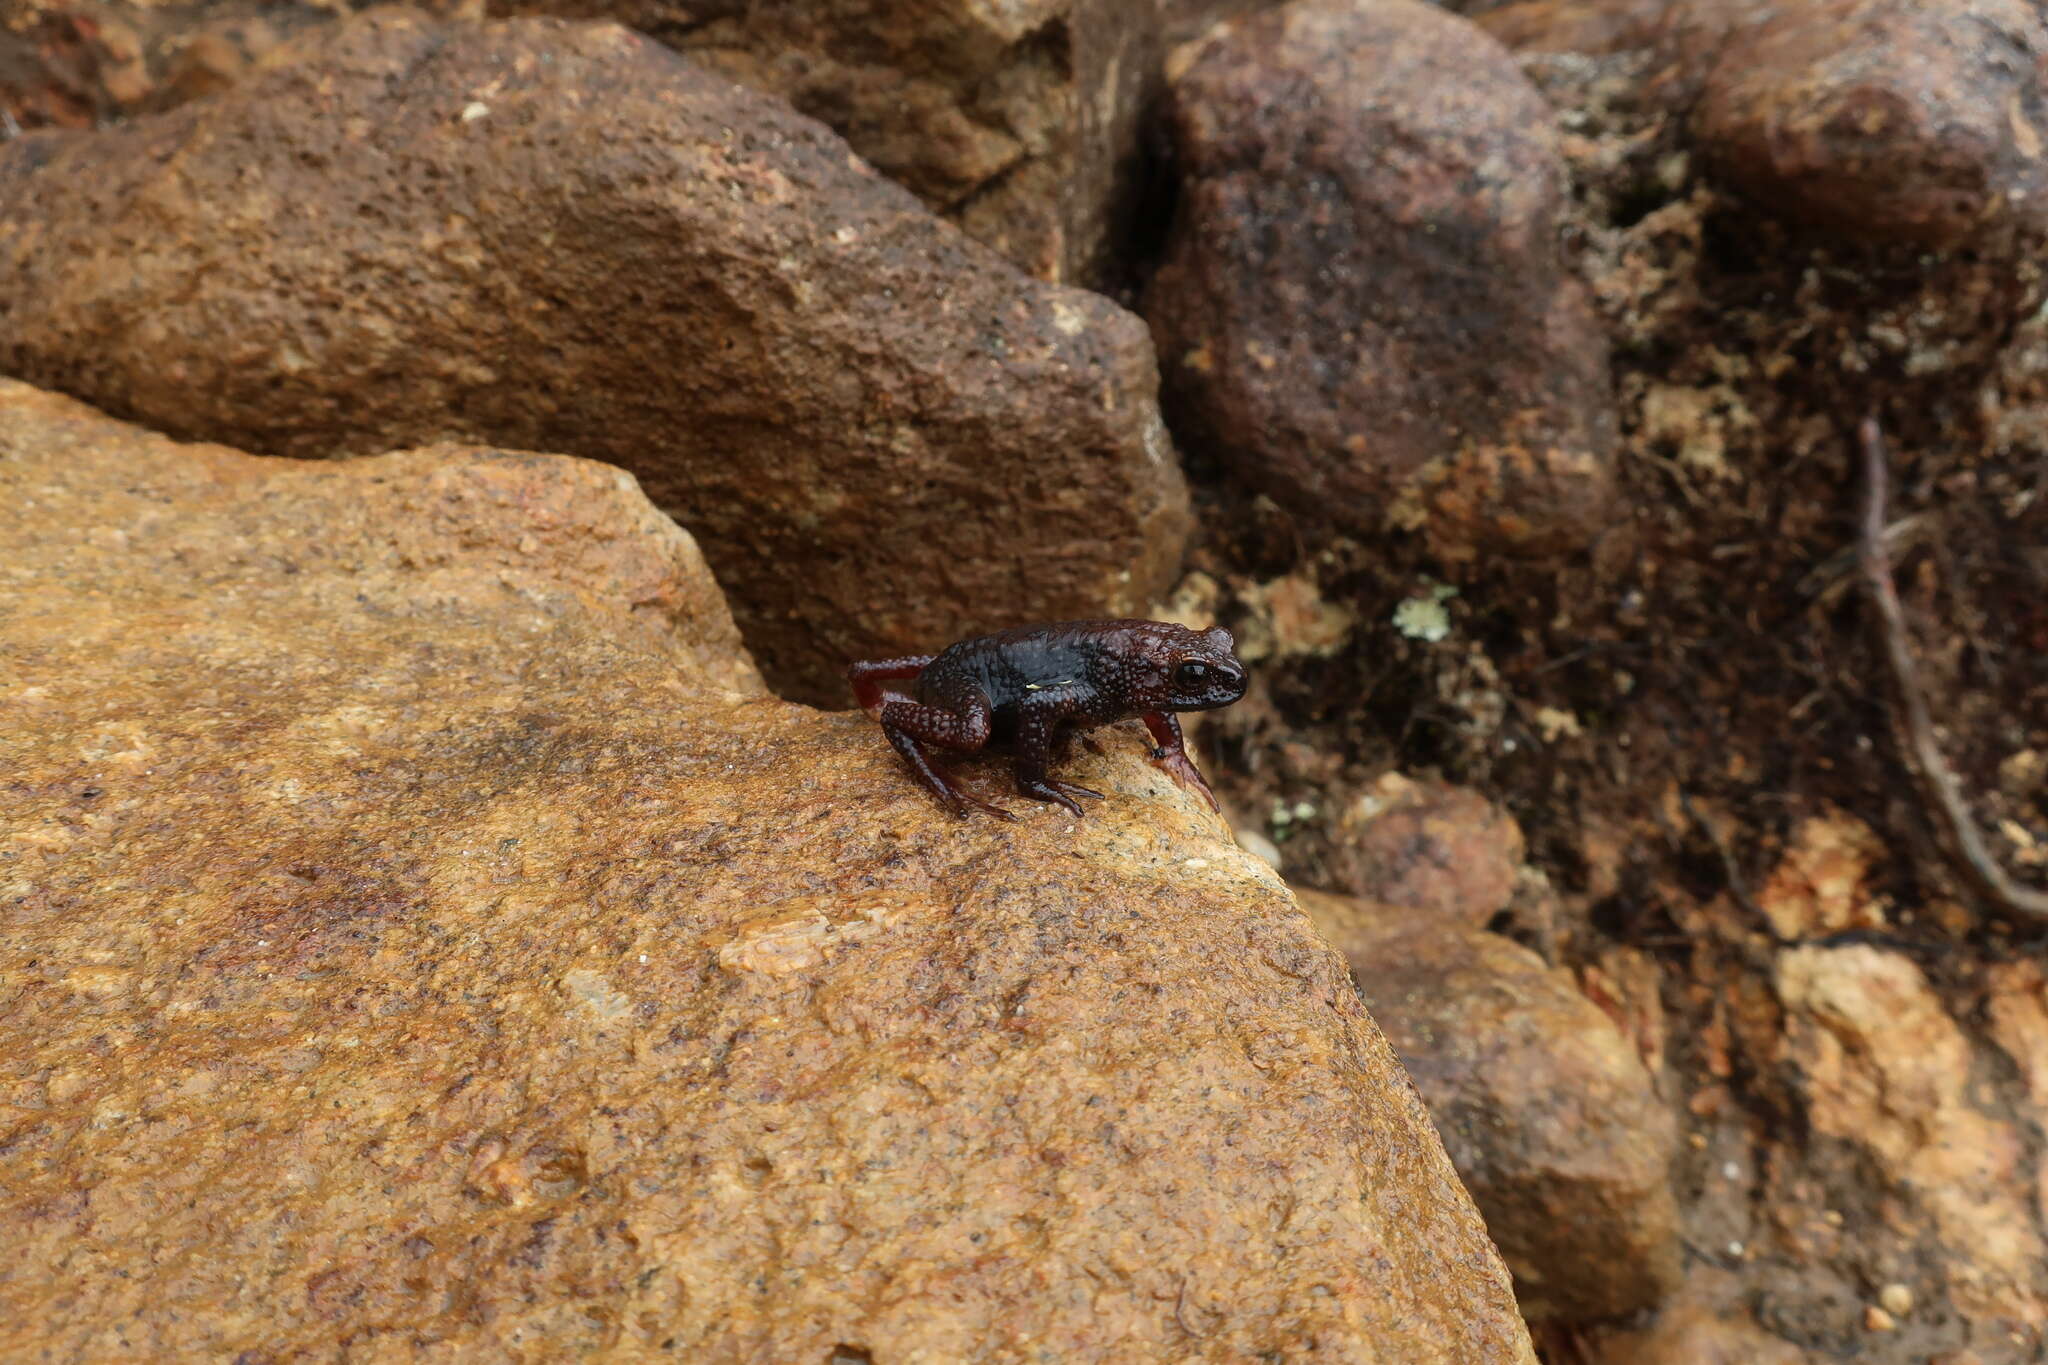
{"x":1669,"y":715}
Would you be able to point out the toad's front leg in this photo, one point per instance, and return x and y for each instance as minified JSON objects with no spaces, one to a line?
{"x":1170,"y":754}
{"x":1039,"y":721}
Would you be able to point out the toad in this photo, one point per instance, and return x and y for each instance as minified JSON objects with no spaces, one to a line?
{"x":1027,"y":687}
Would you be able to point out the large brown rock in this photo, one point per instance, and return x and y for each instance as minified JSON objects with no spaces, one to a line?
{"x":1543,"y":1105}
{"x":1020,"y":123}
{"x":1017,"y":121}
{"x":1363,"y":309}
{"x":1881,"y":122}
{"x":566,"y":237}
{"x":410,"y":943}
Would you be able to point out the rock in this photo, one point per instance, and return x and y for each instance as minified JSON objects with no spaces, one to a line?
{"x":1704,"y":1324}
{"x":64,"y":69}
{"x":1363,"y":309}
{"x":1259,"y":846}
{"x":1881,"y":1066}
{"x":1017,"y":121}
{"x":563,"y":237}
{"x":1428,"y":846}
{"x":1289,"y":618}
{"x":1587,"y":26}
{"x":1184,"y":21}
{"x":1020,"y":123}
{"x":531,"y":539}
{"x":1822,"y":884}
{"x":2017,"y":1011}
{"x":1876,"y":122}
{"x":1542,"y":1103}
{"x":403,"y":942}
{"x":86,"y":63}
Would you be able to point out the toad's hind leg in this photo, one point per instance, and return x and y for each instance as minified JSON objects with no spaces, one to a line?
{"x":961,"y":722}
{"x":868,"y":675}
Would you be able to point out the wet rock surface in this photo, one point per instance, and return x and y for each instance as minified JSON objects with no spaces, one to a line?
{"x":1543,"y":1104}
{"x":1363,"y":310}
{"x":568,"y":238}
{"x":418,"y":932}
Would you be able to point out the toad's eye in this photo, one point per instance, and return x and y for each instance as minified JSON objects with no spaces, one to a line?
{"x":1191,"y":675}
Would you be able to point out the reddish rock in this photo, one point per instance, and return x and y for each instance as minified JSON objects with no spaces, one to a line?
{"x":63,"y":67}
{"x":1590,"y":26}
{"x":407,"y":941}
{"x":1363,"y":309}
{"x":1430,"y":847}
{"x":564,"y":237}
{"x":1543,"y":1105}
{"x":1884,"y":122}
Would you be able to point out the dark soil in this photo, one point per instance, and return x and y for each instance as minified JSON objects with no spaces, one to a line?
{"x":1662,"y":713}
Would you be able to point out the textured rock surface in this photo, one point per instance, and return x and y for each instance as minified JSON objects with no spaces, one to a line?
{"x":1878,"y":121}
{"x":1363,"y":309}
{"x":1185,"y":20}
{"x":1430,"y":847}
{"x":1017,"y":121}
{"x":533,"y":539}
{"x":405,"y":945}
{"x":85,"y":63}
{"x":1595,"y":26}
{"x":1704,"y":1324}
{"x":564,"y":237}
{"x":1883,"y":1067}
{"x":1824,"y":884}
{"x":1543,"y":1105}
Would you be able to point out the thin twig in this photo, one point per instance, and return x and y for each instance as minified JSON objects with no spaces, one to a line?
{"x":1825,"y":585}
{"x":1966,"y":844}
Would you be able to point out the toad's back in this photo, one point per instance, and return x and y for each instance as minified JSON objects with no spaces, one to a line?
{"x":1080,"y":656}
